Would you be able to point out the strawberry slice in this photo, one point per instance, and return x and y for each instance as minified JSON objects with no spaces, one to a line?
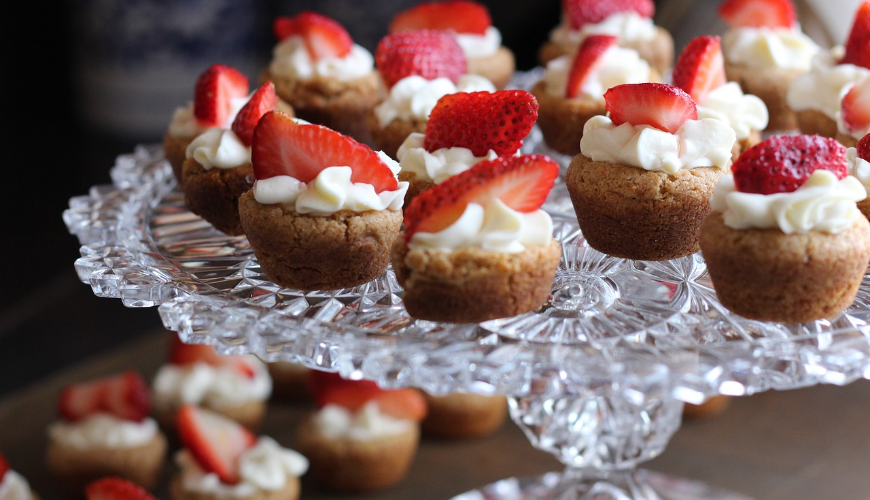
{"x":582,"y":12}
{"x":188,"y":354}
{"x":758,"y":13}
{"x":864,"y":148}
{"x":263,"y":101}
{"x":215,"y":90}
{"x":855,"y":106}
{"x":460,"y":16}
{"x":481,"y":121}
{"x":330,"y":388}
{"x":858,"y":43}
{"x":589,"y":57}
{"x":660,"y":105}
{"x":701,"y":67}
{"x":430,"y":54}
{"x":215,"y":441}
{"x":78,"y":401}
{"x":283,"y":147}
{"x":782,"y":164}
{"x":406,"y":404}
{"x":4,"y":467}
{"x":115,"y":488}
{"x":124,"y":396}
{"x":324,"y":37}
{"x":520,"y":182}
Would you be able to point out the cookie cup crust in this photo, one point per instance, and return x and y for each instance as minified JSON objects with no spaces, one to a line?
{"x":388,"y":139}
{"x":814,"y":122}
{"x":771,"y":86}
{"x":471,"y":285}
{"x":290,"y":491}
{"x":213,"y":194}
{"x":767,"y":275}
{"x":175,"y":151}
{"x":846,"y":140}
{"x":308,"y":252}
{"x":742,"y":145}
{"x":415,"y":185}
{"x":497,"y":68}
{"x":462,"y":415}
{"x":658,"y":52}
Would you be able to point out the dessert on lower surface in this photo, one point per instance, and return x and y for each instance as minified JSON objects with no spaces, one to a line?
{"x":222,"y":459}
{"x":630,"y":21}
{"x":477,"y":246}
{"x":105,"y":430}
{"x":235,"y":386}
{"x":463,"y":415}
{"x":642,"y":183}
{"x":765,"y":51}
{"x":362,"y":437}
{"x":572,"y":89}
{"x":115,"y":488}
{"x":13,"y":486}
{"x":858,"y":161}
{"x":786,"y":241}
{"x":324,"y":209}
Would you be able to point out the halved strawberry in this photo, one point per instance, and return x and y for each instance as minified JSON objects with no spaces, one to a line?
{"x":127,"y":397}
{"x":215,"y":89}
{"x":187,"y":354}
{"x":782,"y":164}
{"x":330,"y":388}
{"x":4,"y":467}
{"x":215,"y":441}
{"x":323,"y":36}
{"x":660,"y":105}
{"x":520,"y":182}
{"x":855,"y":106}
{"x":263,"y":101}
{"x":588,"y":58}
{"x":283,"y":147}
{"x":481,"y":121}
{"x":581,"y":12}
{"x":115,"y":488}
{"x":864,"y":148}
{"x":461,"y":16}
{"x":406,"y":404}
{"x":758,"y":13}
{"x":701,"y":67}
{"x":430,"y":54}
{"x":858,"y":43}
{"x":78,"y":401}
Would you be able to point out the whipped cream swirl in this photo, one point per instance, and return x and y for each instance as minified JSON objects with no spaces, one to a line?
{"x":367,"y":424}
{"x":825,"y":84}
{"x":439,"y":165}
{"x":745,"y":113}
{"x":102,"y":431}
{"x":765,"y":47}
{"x":414,"y":97}
{"x":15,"y":487}
{"x":290,"y":59}
{"x":211,"y":386}
{"x":859,"y":168}
{"x":476,"y":46}
{"x":628,"y":26}
{"x":616,"y":67}
{"x":218,"y":148}
{"x":184,"y":122}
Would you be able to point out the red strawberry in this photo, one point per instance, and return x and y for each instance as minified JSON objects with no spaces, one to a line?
{"x":758,"y":13}
{"x":283,"y":147}
{"x":858,"y":43}
{"x":660,"y":105}
{"x":330,"y":388}
{"x":115,"y":488}
{"x":461,"y":16}
{"x":864,"y":148}
{"x":324,"y":37}
{"x":4,"y":467}
{"x":407,"y":404}
{"x":588,"y":57}
{"x":783,"y":163}
{"x":855,"y":106}
{"x":581,"y":12}
{"x":215,"y":441}
{"x":215,"y":89}
{"x":187,"y":354}
{"x":481,"y":121}
{"x":701,"y":67}
{"x":77,"y":401}
{"x":430,"y":54}
{"x":124,"y":396}
{"x":520,"y":182}
{"x":263,"y":101}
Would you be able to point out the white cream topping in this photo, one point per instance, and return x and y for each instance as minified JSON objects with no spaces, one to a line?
{"x":439,"y":165}
{"x":476,"y":46}
{"x":825,"y":84}
{"x":101,"y":431}
{"x":367,"y":424}
{"x":864,"y":88}
{"x":14,"y":487}
{"x":266,"y":466}
{"x":823,"y":203}
{"x":744,"y":113}
{"x":697,"y":143}
{"x":859,"y":168}
{"x":211,"y":386}
{"x":185,"y":124}
{"x":413,"y":97}
{"x":494,"y":227}
{"x":628,"y":26}
{"x":616,"y":67}
{"x":218,"y":147}
{"x":765,"y":47}
{"x":290,"y":59}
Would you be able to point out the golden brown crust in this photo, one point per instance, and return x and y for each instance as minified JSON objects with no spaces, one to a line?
{"x":214,"y":194}
{"x":471,"y":285}
{"x":767,"y":275}
{"x":249,"y":414}
{"x":658,"y":52}
{"x":290,"y":491}
{"x":461,"y":415}
{"x":744,"y":144}
{"x":846,"y":140}
{"x":307,"y":252}
{"x":637,"y":214}
{"x":289,"y":380}
{"x":354,"y":466}
{"x":415,"y":185}
{"x":391,"y":137}
{"x":864,"y":207}
{"x":175,"y":151}
{"x":771,"y":86}
{"x":814,"y":122}
{"x":497,"y":68}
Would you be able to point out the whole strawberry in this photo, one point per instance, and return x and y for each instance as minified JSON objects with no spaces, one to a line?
{"x":858,"y":44}
{"x":430,"y":54}
{"x":783,"y":163}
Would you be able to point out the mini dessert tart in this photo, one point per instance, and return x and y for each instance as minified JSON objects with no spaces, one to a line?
{"x":324,"y":209}
{"x":362,"y":437}
{"x":643,"y":181}
{"x":13,"y":486}
{"x":816,"y":96}
{"x":290,"y":380}
{"x":222,"y":459}
{"x":105,"y":431}
{"x":418,"y":68}
{"x":765,"y":51}
{"x":235,"y":386}
{"x":853,"y":119}
{"x":630,"y":21}
{"x":477,"y":246}
{"x":461,"y":415}
{"x":472,"y":26}
{"x":786,"y":241}
{"x":465,"y":129}
{"x":115,"y":488}
{"x":327,"y":78}
{"x":858,"y":160}
{"x":700,"y":71}
{"x":572,"y":90}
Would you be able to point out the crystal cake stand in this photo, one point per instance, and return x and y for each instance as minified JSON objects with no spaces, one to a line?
{"x":597,"y":377}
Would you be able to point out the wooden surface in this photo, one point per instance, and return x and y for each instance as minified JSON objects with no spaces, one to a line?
{"x":807,"y":444}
